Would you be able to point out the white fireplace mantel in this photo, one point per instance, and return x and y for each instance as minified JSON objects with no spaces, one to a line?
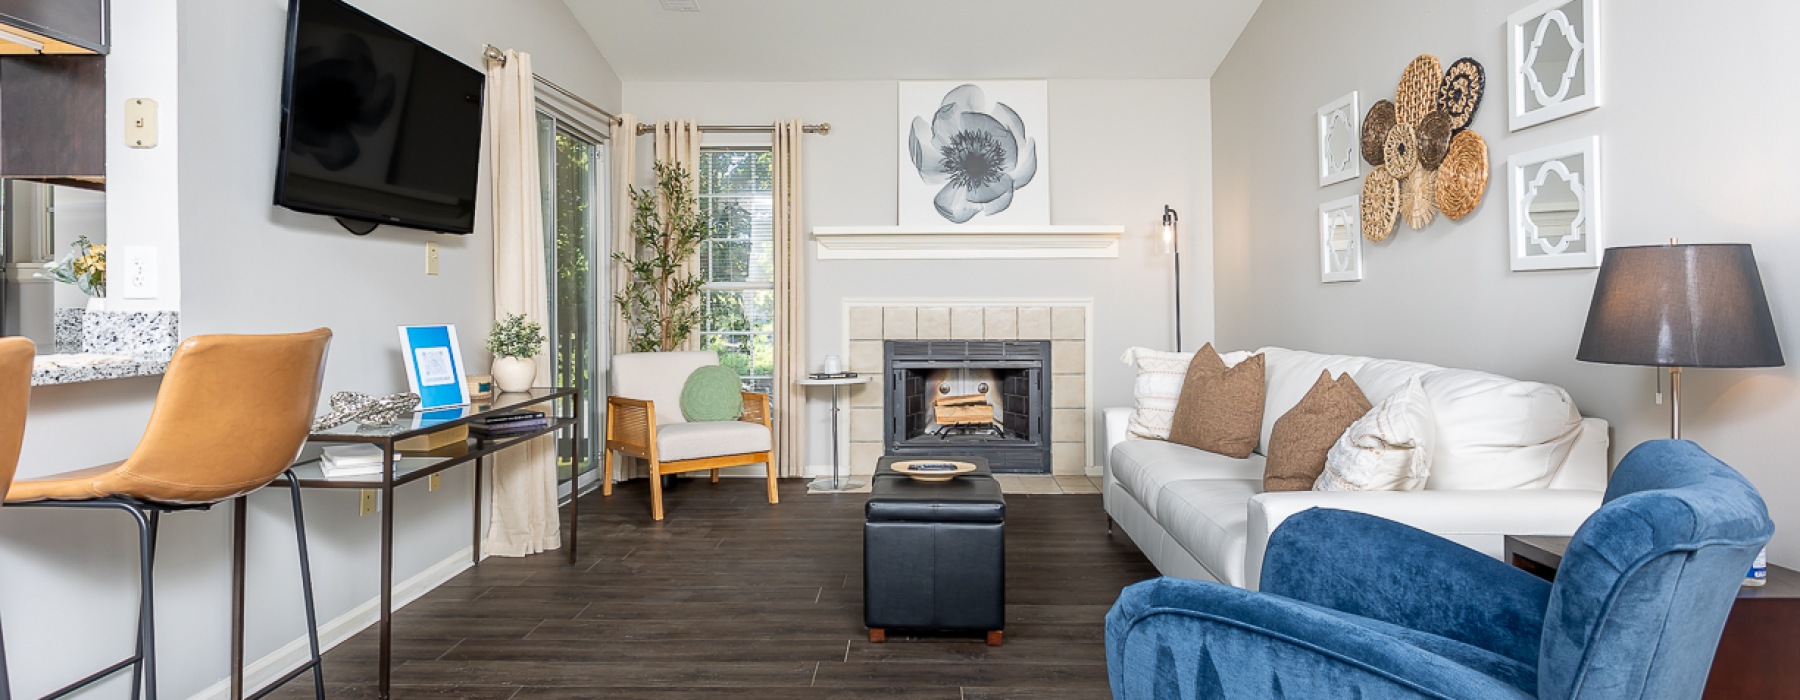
{"x":966,"y":242}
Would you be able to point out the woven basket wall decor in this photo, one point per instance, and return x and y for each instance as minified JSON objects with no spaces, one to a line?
{"x":1461,"y":92}
{"x":1418,"y":199}
{"x":1463,"y":178}
{"x":1433,"y":134}
{"x":1375,"y":128}
{"x":1380,"y":204}
{"x":1402,"y":151}
{"x":1417,"y":93}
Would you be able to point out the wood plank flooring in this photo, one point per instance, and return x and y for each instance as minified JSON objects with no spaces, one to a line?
{"x":730,"y":597}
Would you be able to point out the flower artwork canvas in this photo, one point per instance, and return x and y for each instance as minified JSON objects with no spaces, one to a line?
{"x":975,"y":153}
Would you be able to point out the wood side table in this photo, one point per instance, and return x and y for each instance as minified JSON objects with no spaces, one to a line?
{"x":1758,"y":650}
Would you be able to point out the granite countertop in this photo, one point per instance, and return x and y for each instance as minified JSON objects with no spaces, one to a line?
{"x":94,"y":345}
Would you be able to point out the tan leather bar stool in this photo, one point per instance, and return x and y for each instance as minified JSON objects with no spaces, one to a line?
{"x":230,"y":417}
{"x":15,"y":394}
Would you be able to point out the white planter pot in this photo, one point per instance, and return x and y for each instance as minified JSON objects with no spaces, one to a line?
{"x":514,"y":373}
{"x":96,"y":303}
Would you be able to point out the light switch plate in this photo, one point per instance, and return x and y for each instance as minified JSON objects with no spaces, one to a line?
{"x":132,"y":273}
{"x":431,"y":258}
{"x":140,"y":122}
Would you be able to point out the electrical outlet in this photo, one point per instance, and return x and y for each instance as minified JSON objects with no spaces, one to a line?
{"x":431,"y":258}
{"x":368,"y":501}
{"x":133,"y":272}
{"x":434,"y":482}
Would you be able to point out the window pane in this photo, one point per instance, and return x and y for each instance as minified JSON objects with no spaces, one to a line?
{"x":569,"y":170}
{"x":737,"y":262}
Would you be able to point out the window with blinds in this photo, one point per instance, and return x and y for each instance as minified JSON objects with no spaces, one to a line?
{"x":735,"y":188}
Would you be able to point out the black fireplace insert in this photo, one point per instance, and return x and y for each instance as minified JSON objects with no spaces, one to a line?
{"x":985,"y":398}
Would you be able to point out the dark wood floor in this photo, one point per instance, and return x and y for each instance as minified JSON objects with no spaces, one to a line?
{"x":730,"y":597}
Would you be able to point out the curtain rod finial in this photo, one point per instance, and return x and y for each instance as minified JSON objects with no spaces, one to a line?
{"x":825,"y":129}
{"x":493,"y":53}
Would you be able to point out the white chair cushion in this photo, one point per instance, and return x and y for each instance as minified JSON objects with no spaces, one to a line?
{"x":1498,"y":433}
{"x":1145,"y":467}
{"x":1208,"y":519}
{"x":657,"y":377}
{"x":679,"y":441}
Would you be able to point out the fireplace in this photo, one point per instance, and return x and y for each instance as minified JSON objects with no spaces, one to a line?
{"x":983,"y":398}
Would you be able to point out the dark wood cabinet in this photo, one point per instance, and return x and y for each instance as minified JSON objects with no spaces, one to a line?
{"x":55,"y":26}
{"x":53,"y":119}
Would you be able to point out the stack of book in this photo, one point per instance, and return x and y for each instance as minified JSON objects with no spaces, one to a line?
{"x":343,"y":461}
{"x":508,"y":422}
{"x":832,"y":375}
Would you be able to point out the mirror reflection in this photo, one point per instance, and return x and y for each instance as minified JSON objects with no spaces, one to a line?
{"x":1554,"y":207}
{"x":1340,"y":143}
{"x":1553,"y":64}
{"x":54,"y":256}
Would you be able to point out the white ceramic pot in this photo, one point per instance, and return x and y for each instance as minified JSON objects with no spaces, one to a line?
{"x":514,"y":373}
{"x":96,"y":303}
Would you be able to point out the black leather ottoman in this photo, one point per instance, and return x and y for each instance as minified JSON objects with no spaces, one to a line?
{"x":934,"y":554}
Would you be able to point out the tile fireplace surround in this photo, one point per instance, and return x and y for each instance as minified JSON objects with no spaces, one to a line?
{"x":1064,"y":323}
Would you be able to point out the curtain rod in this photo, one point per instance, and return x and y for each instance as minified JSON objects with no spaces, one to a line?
{"x":493,"y":53}
{"x":820,"y":129}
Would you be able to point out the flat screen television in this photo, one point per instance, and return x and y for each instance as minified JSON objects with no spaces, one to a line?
{"x":376,"y":126}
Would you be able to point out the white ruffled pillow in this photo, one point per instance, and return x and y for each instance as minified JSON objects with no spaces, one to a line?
{"x":1158,"y":387}
{"x":1388,"y":449}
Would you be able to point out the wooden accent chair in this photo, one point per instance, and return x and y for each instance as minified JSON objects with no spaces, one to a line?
{"x":232,"y":413}
{"x":16,"y":355}
{"x":643,"y":419}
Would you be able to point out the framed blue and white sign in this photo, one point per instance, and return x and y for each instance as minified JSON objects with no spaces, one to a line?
{"x":434,"y":365}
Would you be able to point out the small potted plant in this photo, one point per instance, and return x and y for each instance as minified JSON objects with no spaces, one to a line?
{"x":514,"y":343}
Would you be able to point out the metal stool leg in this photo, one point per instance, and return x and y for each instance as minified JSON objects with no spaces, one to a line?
{"x":147,"y":611}
{"x":306,"y":591}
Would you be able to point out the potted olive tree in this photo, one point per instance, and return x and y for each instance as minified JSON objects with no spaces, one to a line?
{"x":515,"y":343}
{"x":660,"y":298}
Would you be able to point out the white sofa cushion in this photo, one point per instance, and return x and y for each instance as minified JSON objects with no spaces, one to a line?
{"x":1145,"y":467}
{"x":1157,"y":387}
{"x":1497,"y":433}
{"x":678,"y":441}
{"x":1388,"y":449}
{"x":658,"y":377}
{"x":1291,"y":373}
{"x":1207,"y":518}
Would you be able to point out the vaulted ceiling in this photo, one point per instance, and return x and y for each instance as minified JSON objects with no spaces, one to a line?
{"x":799,"y":40}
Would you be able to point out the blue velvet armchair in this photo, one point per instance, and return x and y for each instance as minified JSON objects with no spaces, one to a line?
{"x":1355,"y":606}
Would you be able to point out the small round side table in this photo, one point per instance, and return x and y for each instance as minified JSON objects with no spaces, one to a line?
{"x":834,"y":482}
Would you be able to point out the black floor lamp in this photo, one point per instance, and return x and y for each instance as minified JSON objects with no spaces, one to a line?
{"x":1172,"y":244}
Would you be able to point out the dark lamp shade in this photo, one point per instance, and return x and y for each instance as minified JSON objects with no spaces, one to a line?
{"x":1680,"y":306}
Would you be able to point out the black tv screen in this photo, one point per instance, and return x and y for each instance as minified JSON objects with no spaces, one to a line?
{"x":376,"y":126}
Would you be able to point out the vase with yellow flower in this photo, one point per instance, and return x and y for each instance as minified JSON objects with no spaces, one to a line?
{"x":83,"y":267}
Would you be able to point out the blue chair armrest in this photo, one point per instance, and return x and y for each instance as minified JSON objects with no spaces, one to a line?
{"x":1178,"y":638}
{"x":1377,"y":568}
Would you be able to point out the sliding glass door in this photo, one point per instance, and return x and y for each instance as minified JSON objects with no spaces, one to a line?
{"x":572,"y":167}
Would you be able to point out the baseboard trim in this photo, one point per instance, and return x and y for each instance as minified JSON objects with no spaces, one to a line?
{"x":291,"y":655}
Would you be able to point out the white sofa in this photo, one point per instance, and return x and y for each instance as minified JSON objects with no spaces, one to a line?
{"x":1512,"y":457}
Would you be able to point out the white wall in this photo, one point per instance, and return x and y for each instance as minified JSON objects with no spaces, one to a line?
{"x":1121,"y":150}
{"x":1697,"y":144}
{"x":66,"y":594}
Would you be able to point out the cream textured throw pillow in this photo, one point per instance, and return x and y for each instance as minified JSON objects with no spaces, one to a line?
{"x":1389,"y":449}
{"x":1158,"y":388}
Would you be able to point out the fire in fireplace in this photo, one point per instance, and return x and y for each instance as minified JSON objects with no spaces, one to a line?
{"x":985,"y":398}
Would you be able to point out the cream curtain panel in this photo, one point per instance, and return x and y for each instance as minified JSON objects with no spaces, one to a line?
{"x":624,"y":173}
{"x":790,"y":302}
{"x":678,"y":141}
{"x":523,"y":518}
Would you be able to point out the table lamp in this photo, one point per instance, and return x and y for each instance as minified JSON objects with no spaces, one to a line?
{"x":1679,"y":306}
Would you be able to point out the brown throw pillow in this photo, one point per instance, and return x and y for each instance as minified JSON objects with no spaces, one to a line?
{"x":1302,"y":436}
{"x":1220,"y":409}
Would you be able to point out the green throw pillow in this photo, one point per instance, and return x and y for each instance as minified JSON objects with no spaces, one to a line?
{"x":712,"y":393}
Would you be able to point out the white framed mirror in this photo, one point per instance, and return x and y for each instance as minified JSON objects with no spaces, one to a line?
{"x":1340,"y":240}
{"x":1553,"y":51}
{"x":1338,"y":130}
{"x":1555,"y":206}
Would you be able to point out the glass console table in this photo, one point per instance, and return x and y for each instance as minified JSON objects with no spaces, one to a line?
{"x":398,"y":469}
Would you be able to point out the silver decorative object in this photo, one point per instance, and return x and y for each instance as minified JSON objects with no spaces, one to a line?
{"x":348,"y":406}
